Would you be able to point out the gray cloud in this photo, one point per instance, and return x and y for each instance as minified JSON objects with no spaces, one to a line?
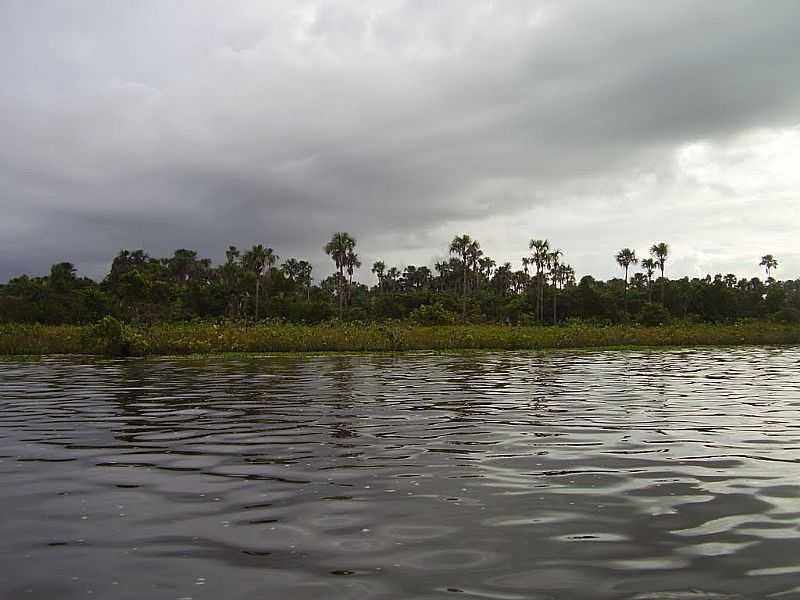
{"x":169,"y":124}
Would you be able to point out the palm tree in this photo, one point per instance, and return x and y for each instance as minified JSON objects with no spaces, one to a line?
{"x":540,"y":258}
{"x":475,"y":254}
{"x":660,"y":252}
{"x":255,"y":261}
{"x":291,"y":268}
{"x":567,"y":275}
{"x":304,"y":277}
{"x":379,"y":268}
{"x":231,"y":275}
{"x":464,"y":246}
{"x":503,"y":278}
{"x":270,"y":258}
{"x":232,"y":255}
{"x":625,"y":258}
{"x":298,"y":272}
{"x":649,"y":267}
{"x":337,"y":248}
{"x":486,"y":266}
{"x":768,"y":262}
{"x":554,"y":261}
{"x":392,"y":277}
{"x":351,"y":263}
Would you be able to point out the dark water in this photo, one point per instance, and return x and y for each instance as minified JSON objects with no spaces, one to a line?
{"x":670,"y":474}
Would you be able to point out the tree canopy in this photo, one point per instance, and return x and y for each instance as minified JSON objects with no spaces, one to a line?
{"x":468,"y":285}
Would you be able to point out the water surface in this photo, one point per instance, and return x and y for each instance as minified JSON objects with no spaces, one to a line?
{"x":664,"y":474}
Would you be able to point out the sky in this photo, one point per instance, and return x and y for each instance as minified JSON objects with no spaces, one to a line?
{"x":597,"y":125}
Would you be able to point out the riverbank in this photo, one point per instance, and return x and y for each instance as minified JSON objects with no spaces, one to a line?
{"x":205,"y":338}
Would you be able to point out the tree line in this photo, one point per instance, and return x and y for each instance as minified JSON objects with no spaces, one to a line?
{"x":468,"y":286}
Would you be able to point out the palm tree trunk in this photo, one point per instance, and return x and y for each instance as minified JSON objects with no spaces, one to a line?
{"x":349,"y":290}
{"x":464,"y":290}
{"x":625,"y":294}
{"x":266,"y":291}
{"x":257,"y":294}
{"x":555,"y":305}
{"x":541,"y":294}
{"x":339,"y":290}
{"x":663,"y":281}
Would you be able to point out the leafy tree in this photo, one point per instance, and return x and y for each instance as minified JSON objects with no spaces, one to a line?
{"x":768,"y":262}
{"x":649,"y":267}
{"x":625,"y":258}
{"x":259,"y":262}
{"x":352,"y":262}
{"x":540,"y":258}
{"x":379,"y":268}
{"x":660,"y":252}
{"x":554,"y":262}
{"x":467,"y":250}
{"x":340,"y":245}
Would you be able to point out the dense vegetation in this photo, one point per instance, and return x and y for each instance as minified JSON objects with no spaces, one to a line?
{"x":470,"y":287}
{"x":112,"y":337}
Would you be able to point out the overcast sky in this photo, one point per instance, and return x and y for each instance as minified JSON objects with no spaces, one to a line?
{"x":598,"y":125}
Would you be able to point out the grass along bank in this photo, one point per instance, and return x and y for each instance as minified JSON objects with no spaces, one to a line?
{"x":113,"y":338}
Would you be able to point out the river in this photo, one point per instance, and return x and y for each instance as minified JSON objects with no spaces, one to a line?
{"x":615,"y":474}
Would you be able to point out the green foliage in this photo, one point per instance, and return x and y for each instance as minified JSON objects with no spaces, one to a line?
{"x":110,"y":336}
{"x":787,"y":315}
{"x":652,"y":315}
{"x":467,"y":287}
{"x":432,"y":314}
{"x":394,"y":337}
{"x":113,"y":337}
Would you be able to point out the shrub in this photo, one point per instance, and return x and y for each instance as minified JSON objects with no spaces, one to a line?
{"x":787,"y":315}
{"x":394,"y":338}
{"x":652,"y":314}
{"x":433,"y":314}
{"x":110,"y":336}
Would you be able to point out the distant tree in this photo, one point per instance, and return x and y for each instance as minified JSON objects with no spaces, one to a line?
{"x":63,"y":276}
{"x":568,"y":275}
{"x":270,"y":258}
{"x":232,"y":255}
{"x":503,"y":279}
{"x":466,"y":248}
{"x":379,"y":268}
{"x":337,"y":248}
{"x":660,"y":252}
{"x":554,"y":262}
{"x":486,"y":266}
{"x":625,"y":258}
{"x":291,"y":269}
{"x":304,"y":277}
{"x":540,"y":258}
{"x":649,"y":267}
{"x":768,"y":262}
{"x":299,"y":273}
{"x":255,"y":261}
{"x":417,"y":278}
{"x":475,"y":255}
{"x":184,"y":264}
{"x":392,"y":278}
{"x":351,"y":263}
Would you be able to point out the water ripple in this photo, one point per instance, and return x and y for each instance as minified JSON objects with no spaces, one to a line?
{"x":664,"y":474}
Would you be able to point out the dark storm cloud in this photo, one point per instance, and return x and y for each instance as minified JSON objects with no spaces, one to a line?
{"x":201,"y":124}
